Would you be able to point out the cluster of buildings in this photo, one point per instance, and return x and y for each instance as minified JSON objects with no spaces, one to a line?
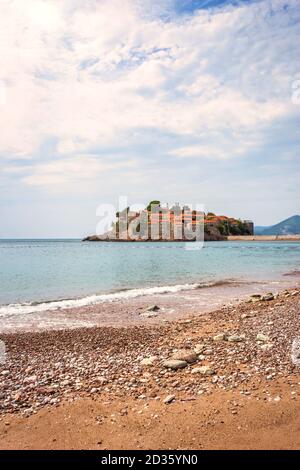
{"x":158,"y":222}
{"x":161,"y":223}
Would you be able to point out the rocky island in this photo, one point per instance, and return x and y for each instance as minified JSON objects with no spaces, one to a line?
{"x":161,"y":223}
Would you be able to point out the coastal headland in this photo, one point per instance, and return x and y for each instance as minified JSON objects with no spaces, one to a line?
{"x":224,"y":379}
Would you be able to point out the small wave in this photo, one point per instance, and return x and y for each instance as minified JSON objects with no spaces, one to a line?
{"x":295,"y":272}
{"x":124,"y":294}
{"x":26,"y":308}
{"x":221,"y":283}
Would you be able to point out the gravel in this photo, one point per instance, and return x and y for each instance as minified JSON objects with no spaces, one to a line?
{"x":44,"y":369}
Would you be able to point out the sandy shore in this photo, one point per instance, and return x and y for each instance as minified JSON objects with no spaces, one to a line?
{"x":113,"y":388}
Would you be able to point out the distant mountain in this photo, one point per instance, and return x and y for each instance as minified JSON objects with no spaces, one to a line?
{"x":289,"y":226}
{"x":258,"y":229}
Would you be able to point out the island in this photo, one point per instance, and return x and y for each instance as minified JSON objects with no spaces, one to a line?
{"x":158,"y":222}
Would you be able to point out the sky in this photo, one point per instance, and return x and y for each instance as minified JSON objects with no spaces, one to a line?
{"x":189,"y":101}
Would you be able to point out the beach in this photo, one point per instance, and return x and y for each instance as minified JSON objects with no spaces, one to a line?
{"x":216,"y":379}
{"x":130,"y":308}
{"x":149,"y":228}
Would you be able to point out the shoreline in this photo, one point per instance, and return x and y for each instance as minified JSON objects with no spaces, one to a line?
{"x":130,"y":307}
{"x":247,"y":238}
{"x":81,"y":285}
{"x":264,"y":238}
{"x":114,"y":382}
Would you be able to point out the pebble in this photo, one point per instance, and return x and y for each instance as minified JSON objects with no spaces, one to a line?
{"x":169,"y":399}
{"x":31,"y":379}
{"x":148,"y":361}
{"x":152,"y":308}
{"x":201,"y":357}
{"x":54,"y":366}
{"x":199,"y":348}
{"x":219,"y":337}
{"x":18,"y":396}
{"x":203,"y":370}
{"x":268,"y":297}
{"x":174,"y":364}
{"x":208,"y":352}
{"x":262,"y":337}
{"x":236,"y":338}
{"x":185,"y":355}
{"x":266,"y":346}
{"x":247,"y":315}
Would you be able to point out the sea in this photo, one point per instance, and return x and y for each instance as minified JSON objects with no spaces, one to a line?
{"x":43,"y":275}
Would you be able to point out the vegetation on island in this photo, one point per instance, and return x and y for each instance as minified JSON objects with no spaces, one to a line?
{"x":215,"y":227}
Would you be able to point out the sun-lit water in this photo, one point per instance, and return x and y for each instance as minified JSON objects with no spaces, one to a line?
{"x":42,"y":271}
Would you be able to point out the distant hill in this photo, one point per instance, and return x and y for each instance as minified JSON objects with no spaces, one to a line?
{"x":289,"y":226}
{"x":258,"y":229}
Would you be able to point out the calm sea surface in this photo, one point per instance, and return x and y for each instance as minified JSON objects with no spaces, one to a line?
{"x":38,"y":271}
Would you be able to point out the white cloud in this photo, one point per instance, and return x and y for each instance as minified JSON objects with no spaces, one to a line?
{"x":70,"y":172}
{"x":88,"y":75}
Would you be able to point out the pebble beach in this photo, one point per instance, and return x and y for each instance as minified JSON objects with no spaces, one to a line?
{"x":248,"y":350}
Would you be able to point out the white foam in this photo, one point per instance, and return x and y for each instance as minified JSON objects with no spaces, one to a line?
{"x":18,"y":309}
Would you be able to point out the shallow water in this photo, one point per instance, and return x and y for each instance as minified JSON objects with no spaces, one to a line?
{"x":36,"y":272}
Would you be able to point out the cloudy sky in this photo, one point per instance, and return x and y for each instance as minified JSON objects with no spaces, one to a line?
{"x":189,"y":101}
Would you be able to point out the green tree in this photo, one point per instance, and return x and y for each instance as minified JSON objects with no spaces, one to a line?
{"x":152,"y":203}
{"x":223,"y":228}
{"x":244,"y":230}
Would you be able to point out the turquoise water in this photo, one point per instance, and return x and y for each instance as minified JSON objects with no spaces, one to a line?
{"x":43,"y":271}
